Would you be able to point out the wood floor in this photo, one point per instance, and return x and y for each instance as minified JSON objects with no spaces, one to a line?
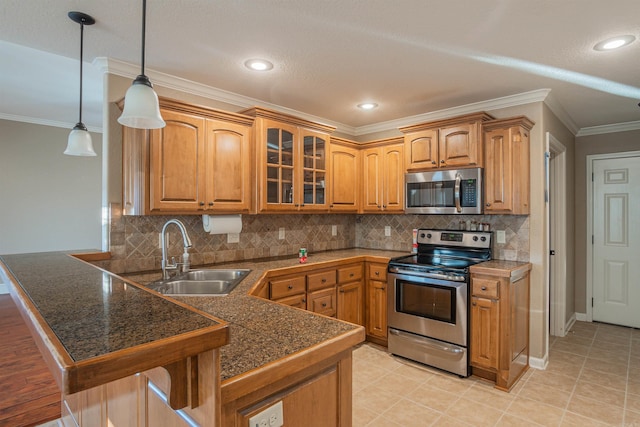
{"x":28,"y":393}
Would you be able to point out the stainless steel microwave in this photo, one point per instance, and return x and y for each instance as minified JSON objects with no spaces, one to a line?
{"x":444,"y":192}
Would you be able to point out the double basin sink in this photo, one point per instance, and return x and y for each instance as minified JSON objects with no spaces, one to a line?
{"x":201,"y":282}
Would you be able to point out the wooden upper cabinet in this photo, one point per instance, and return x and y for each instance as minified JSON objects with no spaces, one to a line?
{"x":177,"y":163}
{"x":291,"y":161}
{"x":200,"y":162}
{"x":454,"y":142}
{"x":421,"y":149}
{"x":460,"y":145}
{"x":344,"y":177}
{"x":383,"y":178}
{"x":228,"y":154}
{"x":506,"y":172}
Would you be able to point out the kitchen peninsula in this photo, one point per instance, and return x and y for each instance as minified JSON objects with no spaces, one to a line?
{"x":107,"y":339}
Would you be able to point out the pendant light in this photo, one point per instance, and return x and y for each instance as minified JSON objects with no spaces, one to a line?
{"x":141,"y":108}
{"x":79,"y":143}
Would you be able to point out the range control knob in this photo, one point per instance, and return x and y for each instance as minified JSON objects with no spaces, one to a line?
{"x":484,"y":239}
{"x":475,"y":238}
{"x":422,"y":235}
{"x":429,"y":236}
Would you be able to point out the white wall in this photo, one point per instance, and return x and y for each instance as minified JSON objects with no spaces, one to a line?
{"x":48,"y":201}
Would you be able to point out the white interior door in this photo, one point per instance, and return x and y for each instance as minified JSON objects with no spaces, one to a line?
{"x":616,"y":243}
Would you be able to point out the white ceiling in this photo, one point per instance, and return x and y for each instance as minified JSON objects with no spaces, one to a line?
{"x":410,"y":56}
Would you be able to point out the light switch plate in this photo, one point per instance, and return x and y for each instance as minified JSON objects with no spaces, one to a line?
{"x":233,"y":238}
{"x":501,"y":237}
{"x":387,"y":230}
{"x":281,"y":233}
{"x":334,"y":230}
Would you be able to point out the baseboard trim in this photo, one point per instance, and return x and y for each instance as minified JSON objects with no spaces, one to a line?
{"x":539,"y":363}
{"x":581,"y":317}
{"x":570,"y":323}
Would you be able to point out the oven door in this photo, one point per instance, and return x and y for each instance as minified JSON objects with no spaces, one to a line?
{"x":429,"y":307}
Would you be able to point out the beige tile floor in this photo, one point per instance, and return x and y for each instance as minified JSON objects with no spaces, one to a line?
{"x":593,"y":379}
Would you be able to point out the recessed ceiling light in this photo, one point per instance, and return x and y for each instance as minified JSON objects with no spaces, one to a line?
{"x":367,"y":105}
{"x":258,"y":64}
{"x":614,"y":43}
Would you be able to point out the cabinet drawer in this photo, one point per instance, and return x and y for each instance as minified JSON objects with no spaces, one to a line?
{"x":350,"y":273}
{"x":299,"y":301}
{"x":321,"y":280}
{"x":323,"y":301}
{"x":487,"y":288}
{"x":286,"y":287}
{"x":378,"y":272}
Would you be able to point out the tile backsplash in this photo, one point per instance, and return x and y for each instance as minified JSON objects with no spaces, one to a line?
{"x":370,"y":231}
{"x":134,"y":240}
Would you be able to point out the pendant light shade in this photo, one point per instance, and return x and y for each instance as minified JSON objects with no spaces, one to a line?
{"x":79,"y":142}
{"x":141,"y":108}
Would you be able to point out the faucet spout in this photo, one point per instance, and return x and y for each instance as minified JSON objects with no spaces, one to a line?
{"x":166,"y":265}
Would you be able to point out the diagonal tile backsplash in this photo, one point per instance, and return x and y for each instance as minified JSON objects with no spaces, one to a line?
{"x":134,"y":240}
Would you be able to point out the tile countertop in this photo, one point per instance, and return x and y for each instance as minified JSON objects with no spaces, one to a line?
{"x":262,"y":331}
{"x":87,"y":318}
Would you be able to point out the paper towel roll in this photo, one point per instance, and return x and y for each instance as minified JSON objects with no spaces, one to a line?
{"x":222,"y":224}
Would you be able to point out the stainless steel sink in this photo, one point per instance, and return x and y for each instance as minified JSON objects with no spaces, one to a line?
{"x":201,"y":282}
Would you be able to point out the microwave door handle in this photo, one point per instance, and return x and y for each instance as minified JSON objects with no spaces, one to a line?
{"x":457,"y":194}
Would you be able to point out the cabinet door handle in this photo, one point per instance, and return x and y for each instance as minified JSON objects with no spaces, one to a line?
{"x":201,"y":203}
{"x":296,"y":205}
{"x":384,"y":206}
{"x":442,"y":161}
{"x":473,"y":303}
{"x":488,"y":204}
{"x":433,"y":162}
{"x":342,"y":291}
{"x":330,"y":206}
{"x":210,"y":203}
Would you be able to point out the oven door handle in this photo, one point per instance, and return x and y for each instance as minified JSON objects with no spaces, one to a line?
{"x":457,"y":194}
{"x":427,"y":343}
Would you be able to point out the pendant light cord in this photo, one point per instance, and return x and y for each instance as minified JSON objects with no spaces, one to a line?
{"x":144,"y":25}
{"x":81,"y":61}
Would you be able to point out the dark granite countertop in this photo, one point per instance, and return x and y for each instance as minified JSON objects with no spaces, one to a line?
{"x":95,"y":315}
{"x":93,"y":312}
{"x":262,"y":331}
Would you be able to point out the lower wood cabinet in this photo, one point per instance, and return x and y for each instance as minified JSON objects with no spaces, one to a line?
{"x":351,"y":294}
{"x":376,"y":303}
{"x":499,"y":348}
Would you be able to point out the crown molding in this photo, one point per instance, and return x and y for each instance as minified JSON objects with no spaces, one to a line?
{"x":44,"y":122}
{"x":613,"y":128}
{"x":124,"y":69}
{"x":488,"y":105}
{"x":561,"y":113}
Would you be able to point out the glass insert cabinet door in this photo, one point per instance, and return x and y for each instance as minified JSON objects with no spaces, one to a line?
{"x":314,"y":170}
{"x":280,"y":166}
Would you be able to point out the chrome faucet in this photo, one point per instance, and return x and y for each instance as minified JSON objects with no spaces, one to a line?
{"x":166,"y":265}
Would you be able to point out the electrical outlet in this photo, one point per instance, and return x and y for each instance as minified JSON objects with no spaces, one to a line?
{"x":270,"y":417}
{"x":281,"y":233}
{"x":387,"y":230}
{"x":501,"y":237}
{"x":233,"y":238}
{"x":334,"y":230}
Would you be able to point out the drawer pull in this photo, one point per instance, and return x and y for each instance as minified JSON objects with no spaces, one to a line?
{"x":484,"y":288}
{"x":324,"y":304}
{"x":324,"y":280}
{"x":351,"y":275}
{"x":290,"y":287}
{"x":377,"y":273}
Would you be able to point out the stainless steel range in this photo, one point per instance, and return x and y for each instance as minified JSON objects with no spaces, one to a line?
{"x":428,"y":304}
